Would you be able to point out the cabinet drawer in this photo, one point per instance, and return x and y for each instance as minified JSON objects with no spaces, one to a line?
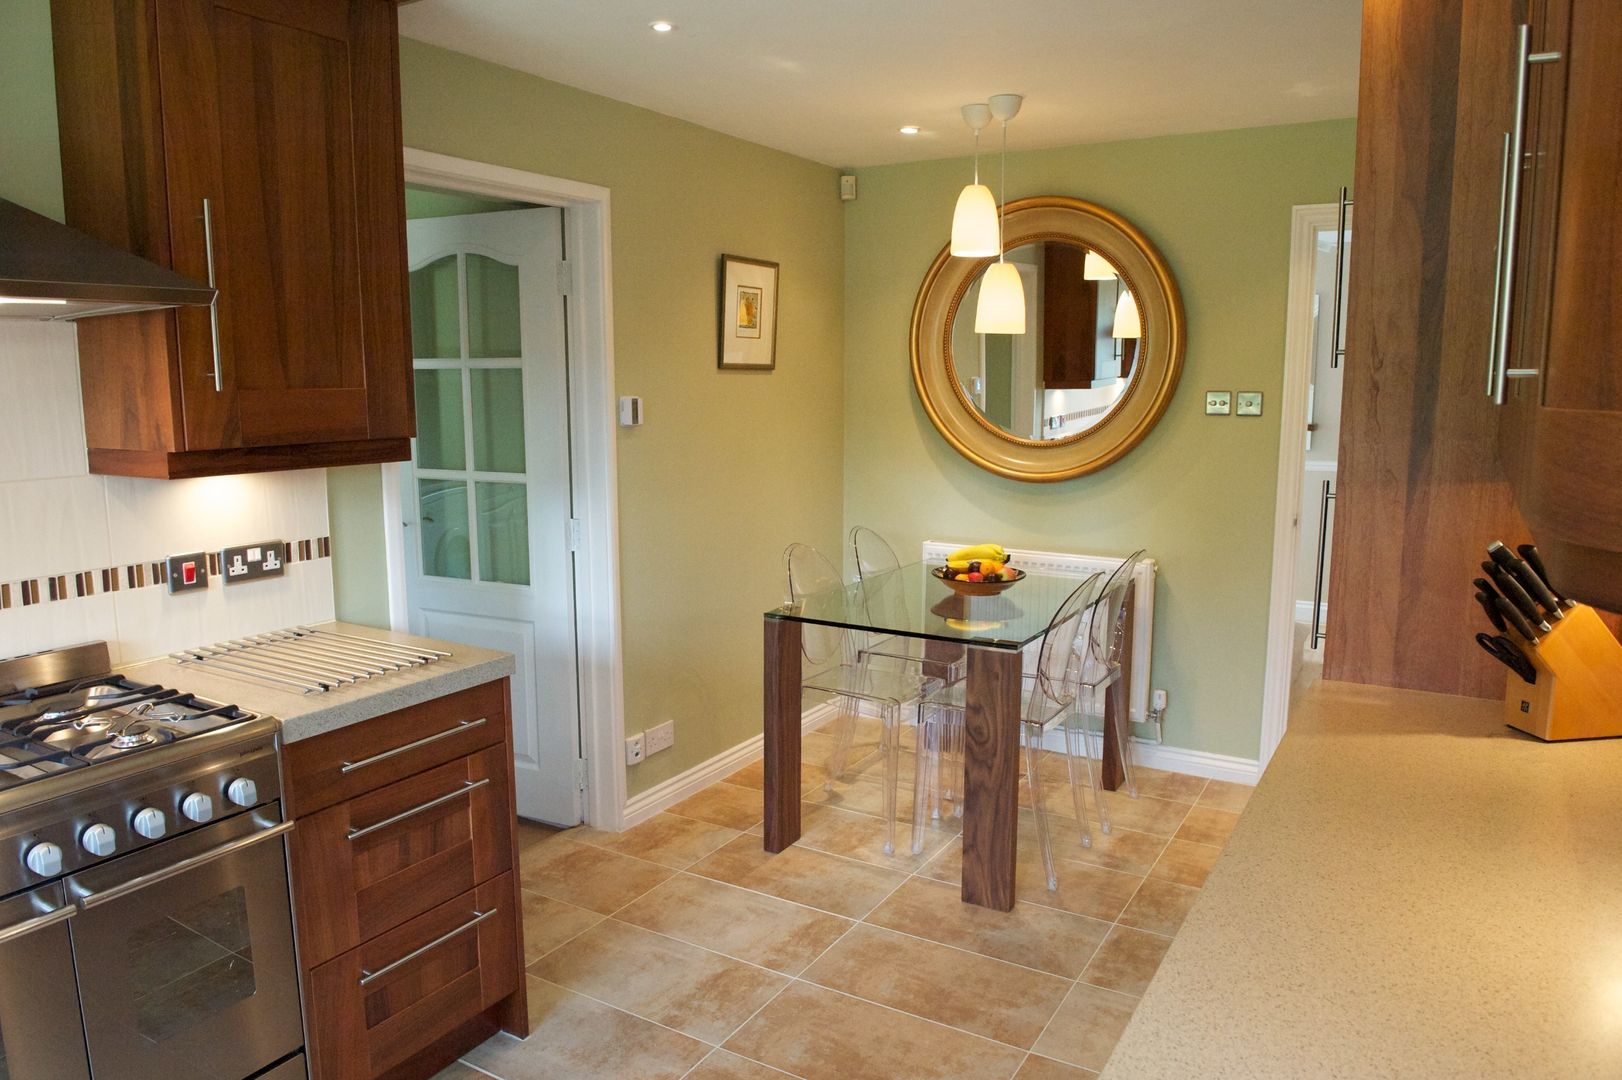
{"x":351,"y":761}
{"x":367,"y":865}
{"x":377,"y":1005}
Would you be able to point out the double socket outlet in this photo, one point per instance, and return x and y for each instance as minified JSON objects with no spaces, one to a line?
{"x":250,"y":562}
{"x":650,"y":741}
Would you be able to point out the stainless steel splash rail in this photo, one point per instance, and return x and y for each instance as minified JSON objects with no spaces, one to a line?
{"x":310,"y":660}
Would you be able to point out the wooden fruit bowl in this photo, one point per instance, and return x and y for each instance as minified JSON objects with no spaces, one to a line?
{"x":977,"y":588}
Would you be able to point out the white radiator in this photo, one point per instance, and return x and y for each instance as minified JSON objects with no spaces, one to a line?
{"x":1064,"y":564}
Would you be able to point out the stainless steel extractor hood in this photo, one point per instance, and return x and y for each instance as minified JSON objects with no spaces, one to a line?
{"x":51,"y":271}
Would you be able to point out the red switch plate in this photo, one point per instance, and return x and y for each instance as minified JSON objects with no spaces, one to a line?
{"x":188,"y":572}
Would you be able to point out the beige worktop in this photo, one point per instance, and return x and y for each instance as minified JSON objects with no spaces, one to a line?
{"x":1413,"y":891}
{"x":304,"y":715}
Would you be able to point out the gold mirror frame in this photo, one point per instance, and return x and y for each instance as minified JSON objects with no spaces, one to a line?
{"x":1155,"y":373}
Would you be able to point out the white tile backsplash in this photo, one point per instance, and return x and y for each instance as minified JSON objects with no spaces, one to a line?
{"x":57,"y":519}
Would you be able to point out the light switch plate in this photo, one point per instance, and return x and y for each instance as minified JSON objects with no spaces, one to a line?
{"x":188,"y":573}
{"x":268,"y":558}
{"x":1218,"y":403}
{"x":1248,"y":402}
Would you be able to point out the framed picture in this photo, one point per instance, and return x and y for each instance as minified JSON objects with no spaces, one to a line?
{"x":748,"y":329}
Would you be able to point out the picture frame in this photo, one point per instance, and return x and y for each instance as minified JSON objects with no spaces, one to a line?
{"x":746,"y":338}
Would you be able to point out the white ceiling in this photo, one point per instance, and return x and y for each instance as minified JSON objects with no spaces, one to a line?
{"x":832,"y":80}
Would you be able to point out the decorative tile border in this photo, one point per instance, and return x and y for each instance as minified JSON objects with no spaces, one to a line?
{"x":29,"y":592}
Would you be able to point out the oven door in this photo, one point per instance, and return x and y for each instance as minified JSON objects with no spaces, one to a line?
{"x":184,"y":952}
{"x":41,"y":1037}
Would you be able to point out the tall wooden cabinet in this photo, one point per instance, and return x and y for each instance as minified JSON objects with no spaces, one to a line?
{"x":254,"y":143}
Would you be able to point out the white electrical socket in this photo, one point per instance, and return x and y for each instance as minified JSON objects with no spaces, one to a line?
{"x":1157,"y":700}
{"x":662,"y":737}
{"x":634,"y":749}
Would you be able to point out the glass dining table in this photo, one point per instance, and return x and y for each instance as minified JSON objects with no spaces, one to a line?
{"x":993,"y":631}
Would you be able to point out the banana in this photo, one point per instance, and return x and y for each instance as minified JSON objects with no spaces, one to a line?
{"x":962,"y":557}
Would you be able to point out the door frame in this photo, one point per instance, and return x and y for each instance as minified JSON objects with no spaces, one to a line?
{"x":593,"y":459}
{"x":1305,"y":223}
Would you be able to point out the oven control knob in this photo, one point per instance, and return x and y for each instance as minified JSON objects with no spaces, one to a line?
{"x":242,"y":791}
{"x":197,"y":807}
{"x":44,"y":859}
{"x":99,"y":839}
{"x":150,"y":823}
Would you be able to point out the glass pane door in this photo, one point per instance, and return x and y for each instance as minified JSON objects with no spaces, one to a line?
{"x":472,"y":499}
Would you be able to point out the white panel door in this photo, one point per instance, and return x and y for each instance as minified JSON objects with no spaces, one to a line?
{"x":487,"y":493}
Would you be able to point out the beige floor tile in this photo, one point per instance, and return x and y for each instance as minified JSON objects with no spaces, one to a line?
{"x":676,"y":842}
{"x":812,"y":774}
{"x":1037,"y":1067}
{"x":721,"y":1065}
{"x":1186,"y":863}
{"x":1174,"y":787}
{"x":1222,"y":795}
{"x":963,"y":990}
{"x":548,"y":923}
{"x":531,"y":833}
{"x":1159,"y":906}
{"x":587,"y":876}
{"x":726,"y":804}
{"x":746,"y":925}
{"x":803,"y":875}
{"x":860,"y":837}
{"x":750,"y":776}
{"x":1145,"y":813}
{"x":823,"y":1035}
{"x":1126,"y":962}
{"x":1126,"y":850}
{"x":669,"y":982}
{"x":1206,"y":825}
{"x":1084,"y":889}
{"x":458,"y":1071}
{"x":1037,"y":937}
{"x":1086,"y":1027}
{"x":575,"y":1038}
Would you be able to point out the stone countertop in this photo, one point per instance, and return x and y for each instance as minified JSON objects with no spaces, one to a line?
{"x":304,"y":715}
{"x":1413,"y":890}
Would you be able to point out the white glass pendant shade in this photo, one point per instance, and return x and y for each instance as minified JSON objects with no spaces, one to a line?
{"x":974,"y":223}
{"x":1001,"y":309}
{"x":1097,"y":268}
{"x":1127,"y":322}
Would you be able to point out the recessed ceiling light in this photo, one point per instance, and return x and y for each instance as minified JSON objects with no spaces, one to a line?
{"x":660,"y":26}
{"x":909,"y":129}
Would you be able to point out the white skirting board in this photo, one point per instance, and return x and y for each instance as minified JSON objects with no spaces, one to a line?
{"x":668,"y":793}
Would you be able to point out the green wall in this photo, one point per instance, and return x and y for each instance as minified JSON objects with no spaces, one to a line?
{"x":729,"y":467}
{"x":1198,"y":493}
{"x":30,"y":156}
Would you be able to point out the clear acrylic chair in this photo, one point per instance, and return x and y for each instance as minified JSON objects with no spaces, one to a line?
{"x":1102,"y":675}
{"x":1048,"y":700}
{"x":883,"y":593}
{"x":834,"y":664}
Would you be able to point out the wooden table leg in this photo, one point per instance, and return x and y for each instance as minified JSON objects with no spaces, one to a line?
{"x":939,"y":656}
{"x":782,"y":733}
{"x":1112,"y":767}
{"x":991,"y":783}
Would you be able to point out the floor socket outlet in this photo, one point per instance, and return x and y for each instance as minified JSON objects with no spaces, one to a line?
{"x":635,"y":749}
{"x":662,"y":737}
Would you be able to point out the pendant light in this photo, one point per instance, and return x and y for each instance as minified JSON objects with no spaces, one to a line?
{"x":974,"y":222}
{"x":1001,"y":308}
{"x":1097,"y":268}
{"x":1128,"y":324}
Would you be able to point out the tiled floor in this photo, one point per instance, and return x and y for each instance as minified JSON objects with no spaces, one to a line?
{"x":680,"y":949}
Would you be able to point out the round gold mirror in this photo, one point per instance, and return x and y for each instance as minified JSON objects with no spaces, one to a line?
{"x":1095,"y":367}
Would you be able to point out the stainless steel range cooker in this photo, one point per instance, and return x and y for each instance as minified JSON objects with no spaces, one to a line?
{"x":145,"y":927}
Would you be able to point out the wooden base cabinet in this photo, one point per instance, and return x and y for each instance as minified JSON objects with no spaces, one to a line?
{"x":405,"y":888}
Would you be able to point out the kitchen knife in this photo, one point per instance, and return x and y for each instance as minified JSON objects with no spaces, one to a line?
{"x":1485,"y":600}
{"x":1513,"y":616}
{"x":1528,"y":578}
{"x":1512,"y":591}
{"x":1509,"y":654}
{"x":1529,"y":552}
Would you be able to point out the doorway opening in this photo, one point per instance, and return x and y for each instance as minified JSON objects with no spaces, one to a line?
{"x":1309,"y":442}
{"x":504,"y":522}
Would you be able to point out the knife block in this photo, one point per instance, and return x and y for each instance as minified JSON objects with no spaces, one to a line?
{"x":1578,"y":694}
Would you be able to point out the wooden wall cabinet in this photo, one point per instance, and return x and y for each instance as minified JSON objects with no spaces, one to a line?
{"x":405,"y":891}
{"x":255,"y":143}
{"x":1561,"y":426}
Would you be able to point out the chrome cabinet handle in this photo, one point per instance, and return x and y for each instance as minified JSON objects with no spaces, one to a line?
{"x":1323,"y":552}
{"x":1337,"y":344}
{"x":369,"y":977}
{"x":1498,"y":272}
{"x":87,"y":900}
{"x":38,"y":922}
{"x":214,"y":304}
{"x":462,"y":725}
{"x":356,"y":834}
{"x":1524,"y":59}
